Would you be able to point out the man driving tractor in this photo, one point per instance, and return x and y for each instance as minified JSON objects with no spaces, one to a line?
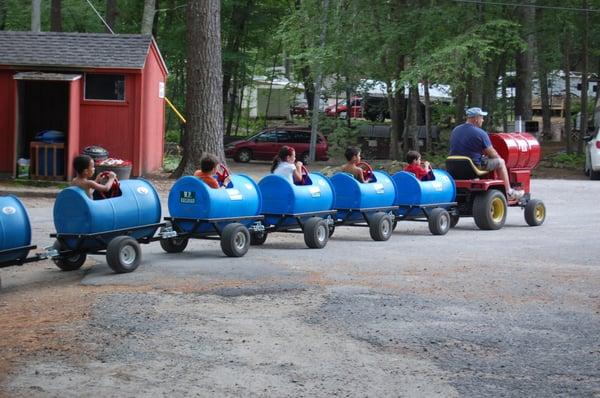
{"x":469,"y":139}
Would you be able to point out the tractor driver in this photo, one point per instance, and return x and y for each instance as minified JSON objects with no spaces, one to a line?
{"x":469,"y":139}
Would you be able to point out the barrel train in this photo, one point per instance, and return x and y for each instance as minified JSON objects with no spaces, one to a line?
{"x":244,"y":213}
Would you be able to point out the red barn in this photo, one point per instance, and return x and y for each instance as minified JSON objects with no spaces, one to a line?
{"x":98,"y":89}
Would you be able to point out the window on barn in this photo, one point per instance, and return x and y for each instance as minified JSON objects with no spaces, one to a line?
{"x":104,"y":87}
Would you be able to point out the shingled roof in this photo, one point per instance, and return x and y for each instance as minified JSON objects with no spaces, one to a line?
{"x":74,"y":50}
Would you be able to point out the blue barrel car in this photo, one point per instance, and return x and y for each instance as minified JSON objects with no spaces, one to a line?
{"x":369,"y":203}
{"x":15,"y":231}
{"x":199,"y":211}
{"x":305,"y":208}
{"x":114,"y":227}
{"x":432,"y":200}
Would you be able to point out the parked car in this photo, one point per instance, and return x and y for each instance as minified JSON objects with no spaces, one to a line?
{"x":592,"y":156}
{"x":342,"y":108}
{"x":375,"y":108}
{"x":299,"y":109}
{"x":265,"y":145}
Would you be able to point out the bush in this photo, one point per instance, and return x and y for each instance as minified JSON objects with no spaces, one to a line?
{"x":173,"y":136}
{"x":563,"y":160}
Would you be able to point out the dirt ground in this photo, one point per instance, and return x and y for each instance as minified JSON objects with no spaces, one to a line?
{"x":87,"y":331}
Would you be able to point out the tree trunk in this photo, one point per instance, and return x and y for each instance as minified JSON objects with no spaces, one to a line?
{"x":584,"y":80}
{"x":396,"y":103}
{"x":36,"y":15}
{"x":239,"y":17}
{"x":204,"y":104}
{"x":318,"y":77}
{"x":546,"y":102}
{"x":112,"y":12}
{"x":460,"y":96}
{"x":567,"y":107}
{"x":524,"y":65}
{"x":148,"y":17}
{"x":428,"y":145}
{"x":56,"y":16}
{"x":2,"y":14}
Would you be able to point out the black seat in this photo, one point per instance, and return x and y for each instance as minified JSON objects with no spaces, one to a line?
{"x":463,"y":168}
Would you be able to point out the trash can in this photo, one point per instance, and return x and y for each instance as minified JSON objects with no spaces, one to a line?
{"x":97,"y":153}
{"x":374,"y":141}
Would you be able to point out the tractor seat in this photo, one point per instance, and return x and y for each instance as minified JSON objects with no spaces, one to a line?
{"x":463,"y":168}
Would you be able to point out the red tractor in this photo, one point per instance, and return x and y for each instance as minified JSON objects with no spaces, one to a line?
{"x":481,"y":194}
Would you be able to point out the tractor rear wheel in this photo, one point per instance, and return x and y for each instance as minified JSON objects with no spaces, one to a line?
{"x":489,"y":210}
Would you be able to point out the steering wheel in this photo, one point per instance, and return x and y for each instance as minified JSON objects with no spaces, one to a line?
{"x":367,"y":170}
{"x":222,"y":173}
{"x":115,"y":188}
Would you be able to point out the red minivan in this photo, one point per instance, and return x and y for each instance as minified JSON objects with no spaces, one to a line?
{"x":265,"y":145}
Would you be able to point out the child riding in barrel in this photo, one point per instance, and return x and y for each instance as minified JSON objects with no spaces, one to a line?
{"x":421,"y":169}
{"x":351,"y":167}
{"x":208,"y":168}
{"x":286,"y":165}
{"x":84,"y":167}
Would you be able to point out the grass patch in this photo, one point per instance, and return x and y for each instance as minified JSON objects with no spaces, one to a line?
{"x":25,"y":182}
{"x":563,"y":160}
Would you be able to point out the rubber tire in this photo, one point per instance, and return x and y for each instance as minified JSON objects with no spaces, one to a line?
{"x":394,"y":224}
{"x":454,"y":219}
{"x":235,"y":240}
{"x":483,"y":207}
{"x":174,"y":245}
{"x":245,"y":158}
{"x":594,"y":175}
{"x":258,"y":238}
{"x":532,"y":217}
{"x":316,"y":233}
{"x":68,"y":263}
{"x":380,"y":226}
{"x":439,"y":221}
{"x":380,"y":117}
{"x":115,"y":249}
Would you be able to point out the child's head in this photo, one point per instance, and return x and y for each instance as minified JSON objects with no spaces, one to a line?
{"x":285,"y":154}
{"x":351,"y":152}
{"x":84,"y":166}
{"x":412,"y":157}
{"x":208,"y":163}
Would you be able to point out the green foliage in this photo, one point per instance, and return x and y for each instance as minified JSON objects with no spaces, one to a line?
{"x":173,"y":136}
{"x":170,"y":162}
{"x":339,"y":135}
{"x":563,"y":160}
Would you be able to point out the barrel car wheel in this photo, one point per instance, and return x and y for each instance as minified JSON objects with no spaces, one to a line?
{"x":380,"y":226}
{"x":454,"y":219}
{"x":535,"y":212}
{"x":123,"y":254}
{"x":316,"y":233}
{"x":439,"y":221}
{"x":68,"y":263}
{"x":235,"y":240}
{"x":489,"y":210}
{"x":174,"y":245}
{"x":258,"y":238}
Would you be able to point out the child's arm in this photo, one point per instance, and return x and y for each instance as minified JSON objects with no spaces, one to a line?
{"x":358,"y":174}
{"x":298,"y":172}
{"x":103,"y":187}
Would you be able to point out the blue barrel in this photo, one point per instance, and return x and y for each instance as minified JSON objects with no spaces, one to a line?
{"x":353,"y":194}
{"x":76,"y":213}
{"x":190,"y":197}
{"x":15,"y":229}
{"x":412,"y":192}
{"x":282,"y":197}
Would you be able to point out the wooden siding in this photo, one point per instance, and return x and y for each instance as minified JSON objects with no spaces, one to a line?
{"x":7,"y":122}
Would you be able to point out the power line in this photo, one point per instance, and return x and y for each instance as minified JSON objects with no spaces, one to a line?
{"x":498,"y":3}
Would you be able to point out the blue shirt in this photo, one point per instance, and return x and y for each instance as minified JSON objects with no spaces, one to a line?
{"x":469,"y":140}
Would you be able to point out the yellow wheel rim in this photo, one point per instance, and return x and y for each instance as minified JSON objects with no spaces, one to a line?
{"x":540,"y":212}
{"x":497,"y":210}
